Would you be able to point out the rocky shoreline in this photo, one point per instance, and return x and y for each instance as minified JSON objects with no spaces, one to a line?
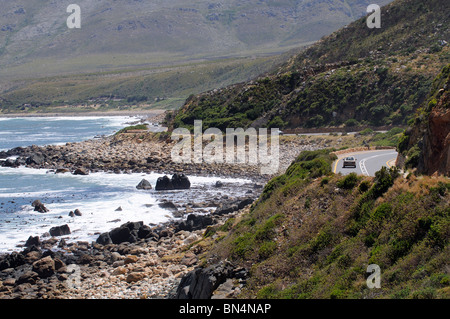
{"x":148,"y":261}
{"x":151,"y":265}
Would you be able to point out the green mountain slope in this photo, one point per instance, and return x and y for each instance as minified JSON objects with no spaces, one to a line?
{"x":355,"y":76}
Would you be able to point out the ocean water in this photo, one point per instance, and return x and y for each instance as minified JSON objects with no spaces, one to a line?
{"x":98,"y":195}
{"x":40,"y":131}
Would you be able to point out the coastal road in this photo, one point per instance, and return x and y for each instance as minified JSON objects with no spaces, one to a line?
{"x":367,"y":162}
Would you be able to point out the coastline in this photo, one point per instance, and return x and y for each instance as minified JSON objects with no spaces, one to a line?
{"x":148,"y":113}
{"x":151,"y":267}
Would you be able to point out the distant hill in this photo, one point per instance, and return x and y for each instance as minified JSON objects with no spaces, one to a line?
{"x":146,"y":50}
{"x":354,"y":77}
{"x":136,"y":31}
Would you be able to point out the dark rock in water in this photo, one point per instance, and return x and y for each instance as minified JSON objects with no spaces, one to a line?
{"x":62,"y":243}
{"x":62,"y":170}
{"x":200,"y":283}
{"x":80,"y":171}
{"x":10,"y":163}
{"x":180,"y":181}
{"x":39,"y":207}
{"x":60,"y":230}
{"x":218,"y":184}
{"x":118,"y":209}
{"x":195,"y":222}
{"x":144,"y":184}
{"x":169,"y":206}
{"x":44,"y":267}
{"x":33,"y":241}
{"x":35,"y":159}
{"x":75,"y":213}
{"x":163,"y":184}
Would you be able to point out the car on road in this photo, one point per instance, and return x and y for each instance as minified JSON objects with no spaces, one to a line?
{"x":349,"y":161}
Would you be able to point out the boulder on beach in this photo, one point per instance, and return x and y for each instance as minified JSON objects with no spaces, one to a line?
{"x":39,"y":207}
{"x":178,"y":181}
{"x":164,"y":183}
{"x":60,"y":230}
{"x":195,"y":222}
{"x":33,"y":241}
{"x":129,"y":232}
{"x":44,"y":267}
{"x":144,"y":184}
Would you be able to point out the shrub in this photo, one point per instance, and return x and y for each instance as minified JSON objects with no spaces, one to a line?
{"x":364,"y":186}
{"x":351,"y":122}
{"x":267,"y":249}
{"x":348,"y":182}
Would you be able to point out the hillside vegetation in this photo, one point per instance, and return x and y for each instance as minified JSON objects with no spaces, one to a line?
{"x":312,"y":234}
{"x":356,"y":76}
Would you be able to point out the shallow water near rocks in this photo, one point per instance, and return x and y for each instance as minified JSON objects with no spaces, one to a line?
{"x":105,"y":200}
{"x":98,"y":196}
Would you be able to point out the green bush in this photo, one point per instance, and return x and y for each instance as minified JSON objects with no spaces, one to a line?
{"x":348,"y":182}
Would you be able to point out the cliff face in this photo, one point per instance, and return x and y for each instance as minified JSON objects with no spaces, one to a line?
{"x":436,"y":152}
{"x":426,"y":145}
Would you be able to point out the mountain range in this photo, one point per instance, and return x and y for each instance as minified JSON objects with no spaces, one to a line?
{"x":357,"y":76}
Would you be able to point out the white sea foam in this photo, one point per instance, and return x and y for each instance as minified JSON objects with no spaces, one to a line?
{"x":100,"y":212}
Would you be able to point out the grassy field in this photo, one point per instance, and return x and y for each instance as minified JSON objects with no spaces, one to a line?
{"x":161,"y":87}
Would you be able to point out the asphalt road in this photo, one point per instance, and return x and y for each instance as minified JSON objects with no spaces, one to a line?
{"x":367,"y":162}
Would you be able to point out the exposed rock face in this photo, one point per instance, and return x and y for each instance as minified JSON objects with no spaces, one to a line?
{"x":426,"y":145}
{"x":436,"y":151}
{"x":201,"y":282}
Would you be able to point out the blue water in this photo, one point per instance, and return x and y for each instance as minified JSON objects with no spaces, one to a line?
{"x":98,"y":195}
{"x":40,"y":131}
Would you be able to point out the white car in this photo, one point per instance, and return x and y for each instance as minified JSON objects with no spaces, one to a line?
{"x":349,"y":161}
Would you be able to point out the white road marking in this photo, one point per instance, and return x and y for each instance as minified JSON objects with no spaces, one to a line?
{"x":362,"y":163}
